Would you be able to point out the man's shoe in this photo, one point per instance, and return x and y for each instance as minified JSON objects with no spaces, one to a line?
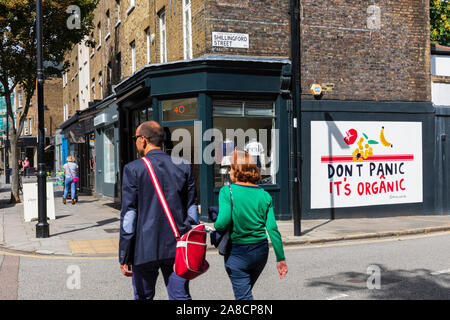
{"x":73,"y":201}
{"x":64,"y":201}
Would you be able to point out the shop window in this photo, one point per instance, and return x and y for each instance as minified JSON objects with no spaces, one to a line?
{"x":179,"y":109}
{"x":184,"y":135}
{"x":109,"y":159}
{"x":249,"y":126}
{"x":137,"y":117}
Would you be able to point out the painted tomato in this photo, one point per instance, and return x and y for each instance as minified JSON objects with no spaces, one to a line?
{"x":352,"y":134}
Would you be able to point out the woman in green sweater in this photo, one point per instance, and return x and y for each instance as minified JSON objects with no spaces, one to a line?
{"x":248,"y":209}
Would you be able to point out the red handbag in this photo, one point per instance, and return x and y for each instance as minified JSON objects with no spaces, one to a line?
{"x":190,"y":255}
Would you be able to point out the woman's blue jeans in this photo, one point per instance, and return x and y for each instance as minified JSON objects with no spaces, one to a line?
{"x":244,"y":264}
{"x":69,"y":184}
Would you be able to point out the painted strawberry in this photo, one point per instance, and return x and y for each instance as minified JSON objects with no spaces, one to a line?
{"x":352,"y":134}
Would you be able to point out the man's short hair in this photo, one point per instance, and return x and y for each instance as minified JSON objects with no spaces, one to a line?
{"x":153,"y":132}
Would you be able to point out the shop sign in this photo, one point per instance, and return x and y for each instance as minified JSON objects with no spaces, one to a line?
{"x":365,"y":163}
{"x":230,"y":40}
{"x":100,"y":119}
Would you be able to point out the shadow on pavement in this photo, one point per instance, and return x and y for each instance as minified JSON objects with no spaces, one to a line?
{"x":393,"y":284}
{"x":313,"y":228}
{"x":63,"y":216}
{"x":5,"y":203}
{"x":114,"y":205}
{"x":98,"y":224}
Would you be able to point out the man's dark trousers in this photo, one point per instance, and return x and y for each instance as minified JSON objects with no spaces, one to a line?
{"x":145,"y":276}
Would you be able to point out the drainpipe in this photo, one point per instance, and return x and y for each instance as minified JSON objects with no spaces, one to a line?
{"x":296,"y":107}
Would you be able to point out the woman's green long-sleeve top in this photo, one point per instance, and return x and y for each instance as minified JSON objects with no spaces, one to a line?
{"x":252,"y":215}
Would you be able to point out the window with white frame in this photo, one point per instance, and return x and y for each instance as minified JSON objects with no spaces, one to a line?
{"x":162,"y":36}
{"x":99,"y":26}
{"x":133,"y":56}
{"x":93,"y":88}
{"x":118,"y":13}
{"x":147,"y":33}
{"x":19,"y":98}
{"x":100,"y":84}
{"x":25,"y":127}
{"x":109,"y":79}
{"x":131,"y":6}
{"x":108,"y":25}
{"x":30,"y":127}
{"x":93,"y":49}
{"x":187,"y":29}
{"x":64,"y":79}
{"x":66,"y":112}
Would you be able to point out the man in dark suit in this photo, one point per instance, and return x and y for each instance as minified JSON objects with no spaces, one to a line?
{"x":147,"y":242}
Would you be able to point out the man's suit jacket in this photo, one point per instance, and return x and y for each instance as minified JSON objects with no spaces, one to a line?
{"x":145,"y":233}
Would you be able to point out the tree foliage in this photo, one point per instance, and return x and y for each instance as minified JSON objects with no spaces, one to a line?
{"x":18,"y":61}
{"x":440,"y":21}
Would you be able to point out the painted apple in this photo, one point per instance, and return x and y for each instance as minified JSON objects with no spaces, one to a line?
{"x":352,"y":134}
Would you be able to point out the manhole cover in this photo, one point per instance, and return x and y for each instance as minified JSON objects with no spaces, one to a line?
{"x":114,"y":230}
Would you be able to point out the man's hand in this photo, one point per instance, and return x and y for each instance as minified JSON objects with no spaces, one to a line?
{"x":126,"y":270}
{"x":282,"y":268}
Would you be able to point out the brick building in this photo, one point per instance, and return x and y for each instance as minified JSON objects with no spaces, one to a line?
{"x":53,"y":100}
{"x":227,"y":65}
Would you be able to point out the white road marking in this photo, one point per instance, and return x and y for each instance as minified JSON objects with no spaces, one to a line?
{"x":339,"y":296}
{"x":440,"y":272}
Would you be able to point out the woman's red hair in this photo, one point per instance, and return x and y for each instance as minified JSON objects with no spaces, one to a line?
{"x":244,"y":167}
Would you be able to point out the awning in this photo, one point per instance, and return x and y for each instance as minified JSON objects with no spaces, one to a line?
{"x":77,"y":132}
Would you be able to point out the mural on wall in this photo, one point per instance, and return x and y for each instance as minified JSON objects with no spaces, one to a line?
{"x":365,"y":163}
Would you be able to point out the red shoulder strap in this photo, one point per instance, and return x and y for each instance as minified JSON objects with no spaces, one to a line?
{"x":161,"y":196}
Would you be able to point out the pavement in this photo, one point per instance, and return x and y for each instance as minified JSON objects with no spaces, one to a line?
{"x":91,"y":227}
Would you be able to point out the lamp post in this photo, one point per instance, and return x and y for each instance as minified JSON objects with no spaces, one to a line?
{"x":42,"y":228}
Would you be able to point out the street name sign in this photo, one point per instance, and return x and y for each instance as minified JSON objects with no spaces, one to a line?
{"x":230,"y":40}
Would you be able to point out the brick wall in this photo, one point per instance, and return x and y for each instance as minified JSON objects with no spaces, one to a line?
{"x":70,"y":92}
{"x":53,"y":99}
{"x":358,"y":63}
{"x":266,"y":22}
{"x":352,"y":59}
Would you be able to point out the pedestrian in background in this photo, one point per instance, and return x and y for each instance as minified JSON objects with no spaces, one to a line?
{"x":147,"y":243}
{"x":71,"y":179}
{"x":26,"y":165}
{"x":247,"y":209}
{"x":20,"y":167}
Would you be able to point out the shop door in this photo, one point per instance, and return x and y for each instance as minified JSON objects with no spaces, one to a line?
{"x":86,"y":168}
{"x":106,"y":163}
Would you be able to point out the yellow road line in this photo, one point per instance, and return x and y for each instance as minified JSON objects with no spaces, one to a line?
{"x":51,"y":257}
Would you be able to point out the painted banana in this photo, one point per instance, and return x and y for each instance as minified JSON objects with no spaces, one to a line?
{"x":383,"y":139}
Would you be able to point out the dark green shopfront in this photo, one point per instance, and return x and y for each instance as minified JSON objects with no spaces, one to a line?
{"x":198,"y":100}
